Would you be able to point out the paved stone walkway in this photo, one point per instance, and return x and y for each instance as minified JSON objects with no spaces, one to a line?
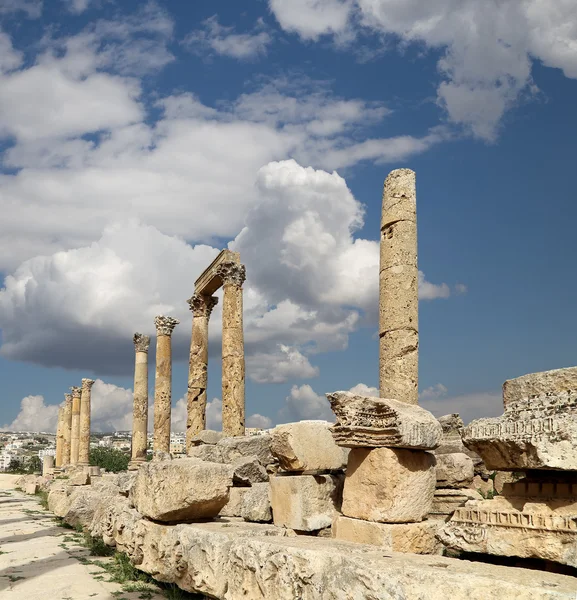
{"x":39,"y":560}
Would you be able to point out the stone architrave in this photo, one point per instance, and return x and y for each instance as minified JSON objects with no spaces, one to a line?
{"x":59,"y":438}
{"x":233,"y":276}
{"x":368,"y":422}
{"x":140,"y":401}
{"x":66,"y":429}
{"x":398,"y":289}
{"x":538,"y":429}
{"x":84,"y":444}
{"x":201,"y":307}
{"x":75,"y":425}
{"x":163,"y":382}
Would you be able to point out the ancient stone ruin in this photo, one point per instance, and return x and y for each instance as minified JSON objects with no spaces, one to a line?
{"x":365,"y":507}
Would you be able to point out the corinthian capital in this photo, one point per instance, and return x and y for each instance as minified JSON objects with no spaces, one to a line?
{"x":231,"y":273}
{"x":76,"y":391}
{"x":68,"y":398}
{"x":201,"y":306}
{"x":87,"y":384}
{"x":141,"y":342}
{"x":165,"y":325}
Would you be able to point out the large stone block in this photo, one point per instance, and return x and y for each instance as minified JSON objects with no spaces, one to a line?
{"x":389,"y":485}
{"x":181,"y":489}
{"x":248,"y":470}
{"x":305,"y":502}
{"x":256,"y":505}
{"x":454,"y":470}
{"x":306,"y":446}
{"x":534,"y":385}
{"x":229,"y":449}
{"x":416,"y":538}
{"x":368,"y":422}
{"x":207,"y":436}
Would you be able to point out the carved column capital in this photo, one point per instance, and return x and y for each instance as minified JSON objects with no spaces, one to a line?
{"x":87,"y":384}
{"x":68,"y":398}
{"x":201,"y":306}
{"x":141,"y":342}
{"x":231,"y":273}
{"x":165,"y":325}
{"x":76,"y":391}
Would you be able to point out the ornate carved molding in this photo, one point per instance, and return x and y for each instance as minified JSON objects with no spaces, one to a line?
{"x":87,"y":384}
{"x":165,"y":325}
{"x":76,"y":391}
{"x":141,"y":342}
{"x":201,"y":306}
{"x":231,"y":273}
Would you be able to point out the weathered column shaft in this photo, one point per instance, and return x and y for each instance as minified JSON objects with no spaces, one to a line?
{"x":233,"y":371}
{"x":140,"y":405}
{"x":66,"y":429}
{"x":59,"y":438}
{"x":163,"y":383}
{"x":75,"y":427}
{"x":201,"y":307}
{"x":399,"y":290}
{"x":85,"y":410}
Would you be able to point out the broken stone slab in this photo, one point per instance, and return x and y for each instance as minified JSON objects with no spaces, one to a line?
{"x":363,"y":421}
{"x":248,"y":471}
{"x":305,"y":502}
{"x":240,"y":446}
{"x":485,"y":487}
{"x":454,"y":470}
{"x":416,"y":538}
{"x":538,"y":429}
{"x":389,"y":485}
{"x":31,"y":488}
{"x":181,"y":489}
{"x":306,"y":446}
{"x":255,"y":505}
{"x":446,"y":501}
{"x":79,"y":478}
{"x":233,"y":506}
{"x":207,"y":436}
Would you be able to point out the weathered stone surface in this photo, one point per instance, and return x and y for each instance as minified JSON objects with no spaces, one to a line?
{"x":140,"y":400}
{"x":248,"y":470}
{"x":254,"y":445}
{"x":305,"y":502}
{"x":368,"y":422}
{"x":82,"y":504}
{"x":503,"y":477}
{"x":484,"y":486}
{"x":208,"y":453}
{"x":454,"y":470}
{"x":31,"y":488}
{"x":79,"y":478}
{"x":417,"y":538}
{"x":446,"y":501}
{"x":125,"y":481}
{"x":75,"y":425}
{"x":388,"y":485}
{"x":181,"y":489}
{"x":306,"y":446}
{"x":256,"y":504}
{"x":538,"y":429}
{"x":207,"y":436}
{"x":232,"y":508}
{"x":85,"y":411}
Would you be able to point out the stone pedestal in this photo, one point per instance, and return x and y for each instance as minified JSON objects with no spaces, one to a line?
{"x":163,"y":383}
{"x":85,"y":409}
{"x":59,"y":438}
{"x":75,"y":425}
{"x":233,"y":373}
{"x":66,"y":429}
{"x":201,"y":307}
{"x":389,"y":485}
{"x":47,"y":465}
{"x":140,"y":402}
{"x":399,"y":282}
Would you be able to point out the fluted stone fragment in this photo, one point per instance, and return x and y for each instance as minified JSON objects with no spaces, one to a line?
{"x":85,"y":410}
{"x":75,"y":426}
{"x":140,"y":402}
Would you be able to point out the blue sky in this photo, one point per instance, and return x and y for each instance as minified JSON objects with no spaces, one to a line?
{"x":137,"y":139}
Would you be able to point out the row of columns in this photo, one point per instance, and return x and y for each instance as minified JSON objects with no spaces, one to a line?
{"x":73,"y":428}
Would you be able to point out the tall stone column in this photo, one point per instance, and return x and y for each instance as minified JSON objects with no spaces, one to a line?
{"x":233,"y":276}
{"x":84,"y":446}
{"x":140,"y":405}
{"x":59,"y":438}
{"x":201,"y":307}
{"x":163,"y":383}
{"x":67,"y":430}
{"x":75,"y":426}
{"x":399,"y":290}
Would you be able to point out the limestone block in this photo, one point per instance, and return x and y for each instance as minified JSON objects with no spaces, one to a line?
{"x":306,"y":446}
{"x":207,"y":452}
{"x":248,"y":470}
{"x":181,"y":489}
{"x":79,"y":478}
{"x":206,"y":436}
{"x":483,"y":486}
{"x":31,"y":488}
{"x":446,"y":501}
{"x":83,"y":503}
{"x":233,"y":506}
{"x":364,"y":421}
{"x":389,"y":485}
{"x":59,"y":500}
{"x":417,"y":538}
{"x":305,"y":502}
{"x":125,"y":481}
{"x":545,"y":383}
{"x":254,"y":445}
{"x":255,"y":504}
{"x":454,"y":470}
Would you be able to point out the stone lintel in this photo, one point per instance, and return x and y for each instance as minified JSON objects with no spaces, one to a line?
{"x":546,"y":383}
{"x":209,"y":281}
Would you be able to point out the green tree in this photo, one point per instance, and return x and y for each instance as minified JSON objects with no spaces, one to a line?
{"x":111,"y":459}
{"x":15,"y":466}
{"x":34,"y":464}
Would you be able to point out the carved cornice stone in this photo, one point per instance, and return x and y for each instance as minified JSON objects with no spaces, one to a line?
{"x":87,"y":384}
{"x":76,"y":391}
{"x":201,"y":306}
{"x":141,"y":342}
{"x":231,"y":273}
{"x":165,"y":325}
